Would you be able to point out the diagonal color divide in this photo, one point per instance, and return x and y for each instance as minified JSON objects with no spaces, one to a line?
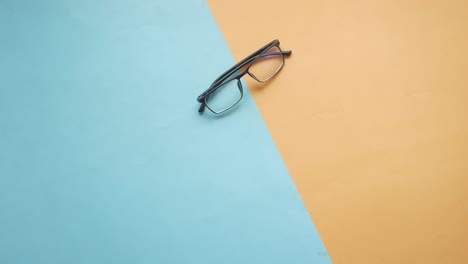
{"x":369,"y":115}
{"x":104,"y":158}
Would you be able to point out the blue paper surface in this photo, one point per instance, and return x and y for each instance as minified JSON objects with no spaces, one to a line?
{"x":104,"y":158}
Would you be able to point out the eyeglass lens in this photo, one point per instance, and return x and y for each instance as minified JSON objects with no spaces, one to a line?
{"x":267,"y":64}
{"x":225,"y":97}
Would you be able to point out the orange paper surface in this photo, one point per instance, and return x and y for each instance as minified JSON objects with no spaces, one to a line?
{"x":370,"y":116}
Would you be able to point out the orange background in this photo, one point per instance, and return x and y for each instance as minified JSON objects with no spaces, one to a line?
{"x":370,"y":116}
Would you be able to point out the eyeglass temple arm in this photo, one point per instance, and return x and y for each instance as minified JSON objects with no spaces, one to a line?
{"x":202,"y":107}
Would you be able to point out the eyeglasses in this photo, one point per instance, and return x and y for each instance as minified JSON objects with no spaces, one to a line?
{"x":226,"y":91}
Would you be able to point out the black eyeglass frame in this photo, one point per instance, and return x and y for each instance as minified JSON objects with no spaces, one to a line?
{"x":235,"y":73}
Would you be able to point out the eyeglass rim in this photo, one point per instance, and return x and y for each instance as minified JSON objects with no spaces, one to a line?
{"x":241,"y":89}
{"x":260,"y":56}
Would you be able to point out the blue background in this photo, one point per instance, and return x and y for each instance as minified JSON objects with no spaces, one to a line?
{"x":104,"y":158}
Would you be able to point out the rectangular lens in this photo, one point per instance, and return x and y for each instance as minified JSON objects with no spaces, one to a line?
{"x":225,"y":97}
{"x":267,"y":64}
